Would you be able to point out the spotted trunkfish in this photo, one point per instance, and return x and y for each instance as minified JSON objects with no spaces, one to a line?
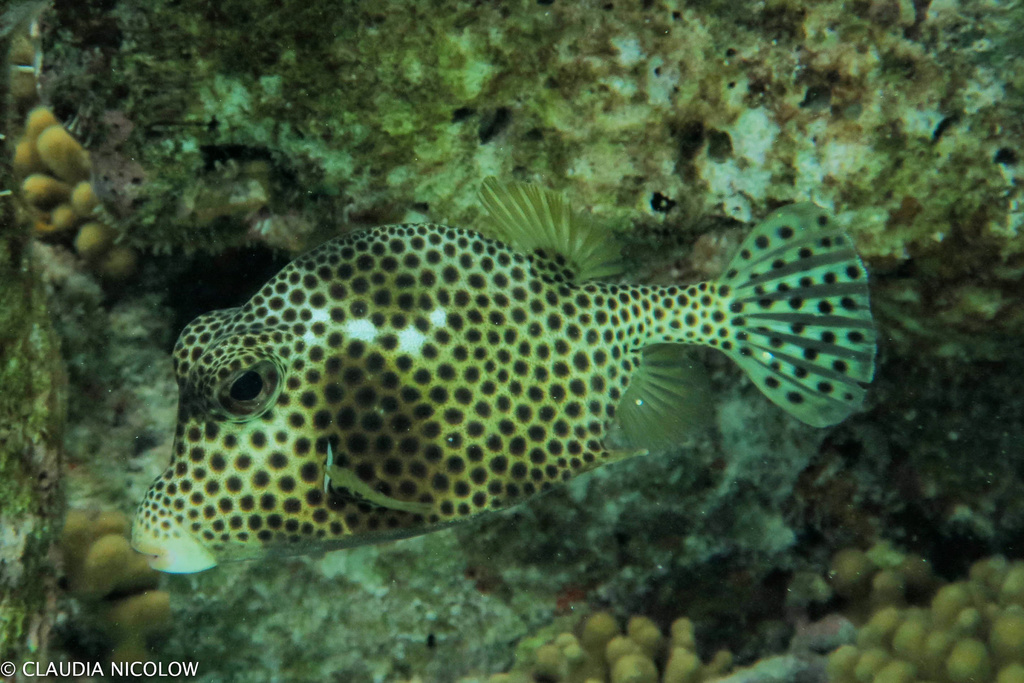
{"x":401,"y":379}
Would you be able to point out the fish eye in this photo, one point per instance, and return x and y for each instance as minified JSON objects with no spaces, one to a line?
{"x":247,"y":387}
{"x":248,"y":392}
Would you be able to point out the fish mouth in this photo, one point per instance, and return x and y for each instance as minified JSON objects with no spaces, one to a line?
{"x":173,"y":550}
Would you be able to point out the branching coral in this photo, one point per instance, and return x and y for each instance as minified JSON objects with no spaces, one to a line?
{"x":56,"y":185}
{"x":880,"y":577}
{"x":971,"y":631}
{"x":600,"y":653}
{"x":104,"y":573}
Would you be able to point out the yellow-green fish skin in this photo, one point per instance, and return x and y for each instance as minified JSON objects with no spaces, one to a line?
{"x":444,"y":374}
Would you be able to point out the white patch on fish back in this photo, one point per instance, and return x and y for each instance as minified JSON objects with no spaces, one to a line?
{"x":362,"y":330}
{"x":317,"y":316}
{"x":438,"y":317}
{"x":411,"y":340}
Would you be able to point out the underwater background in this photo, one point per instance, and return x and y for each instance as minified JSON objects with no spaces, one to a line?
{"x":219,"y":140}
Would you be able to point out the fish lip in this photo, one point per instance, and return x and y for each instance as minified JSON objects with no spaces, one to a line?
{"x":178,"y":552}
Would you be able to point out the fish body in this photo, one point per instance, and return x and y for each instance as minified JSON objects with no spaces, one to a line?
{"x":407,"y":377}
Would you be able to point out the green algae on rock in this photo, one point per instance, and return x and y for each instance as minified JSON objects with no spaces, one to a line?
{"x":672,"y":123}
{"x":900,"y":119}
{"x":31,"y":411}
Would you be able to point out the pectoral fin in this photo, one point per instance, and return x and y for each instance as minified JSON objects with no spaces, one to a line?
{"x":344,"y":478}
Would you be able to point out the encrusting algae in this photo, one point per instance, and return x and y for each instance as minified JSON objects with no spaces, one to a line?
{"x":408,"y":377}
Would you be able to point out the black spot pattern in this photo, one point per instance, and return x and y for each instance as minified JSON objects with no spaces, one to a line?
{"x":800,"y":315}
{"x":433,"y":366}
{"x":447,"y":371}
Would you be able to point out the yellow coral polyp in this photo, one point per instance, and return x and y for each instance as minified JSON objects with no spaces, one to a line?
{"x":63,"y":217}
{"x":968,"y":662}
{"x":1007,"y":636}
{"x":720,"y":663}
{"x":989,"y":572}
{"x":597,"y":631}
{"x":21,"y":50}
{"x":83,"y":199}
{"x":117,"y":264}
{"x":44,"y":192}
{"x":1011,"y":592}
{"x":842,"y":662}
{"x":917,"y":574}
{"x":100,"y":569}
{"x":619,"y":647}
{"x":549,"y":662}
{"x":38,"y":120}
{"x":634,"y":668}
{"x":895,"y":672}
{"x":869,"y":663}
{"x":1014,"y":673}
{"x":968,"y":623}
{"x":851,"y":572}
{"x":42,"y":226}
{"x":56,"y":186}
{"x":949,"y":602}
{"x":972,"y":631}
{"x":683,"y":666}
{"x":879,"y":630}
{"x":603,"y":654}
{"x":111,"y":565}
{"x":888,"y":587}
{"x":908,"y":640}
{"x":22,"y":85}
{"x":681,"y":633}
{"x":936,"y":649}
{"x":62,"y":154}
{"x":94,"y":239}
{"x":26,"y":158}
{"x":646,"y":634}
{"x":113,"y":580}
{"x":135,"y":618}
{"x":570,"y":648}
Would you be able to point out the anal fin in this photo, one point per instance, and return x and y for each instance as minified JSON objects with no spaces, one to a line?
{"x":666,"y":403}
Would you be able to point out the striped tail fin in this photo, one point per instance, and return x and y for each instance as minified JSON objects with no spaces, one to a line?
{"x":797,"y":302}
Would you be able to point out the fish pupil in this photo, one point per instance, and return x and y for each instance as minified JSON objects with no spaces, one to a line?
{"x":247,"y":387}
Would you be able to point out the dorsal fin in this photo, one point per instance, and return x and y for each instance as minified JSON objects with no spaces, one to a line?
{"x":529,"y":217}
{"x":666,"y":404}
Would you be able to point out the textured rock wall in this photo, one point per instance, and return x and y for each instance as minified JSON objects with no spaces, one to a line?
{"x":285,"y":123}
{"x":31,"y":425}
{"x":675,"y":124}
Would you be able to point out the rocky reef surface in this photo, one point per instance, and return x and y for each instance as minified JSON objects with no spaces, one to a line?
{"x":227,"y":137}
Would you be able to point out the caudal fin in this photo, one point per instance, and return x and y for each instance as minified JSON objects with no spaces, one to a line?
{"x":797,"y":294}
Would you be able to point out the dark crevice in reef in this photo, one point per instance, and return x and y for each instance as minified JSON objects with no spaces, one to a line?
{"x":210,"y":282}
{"x":493,"y":123}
